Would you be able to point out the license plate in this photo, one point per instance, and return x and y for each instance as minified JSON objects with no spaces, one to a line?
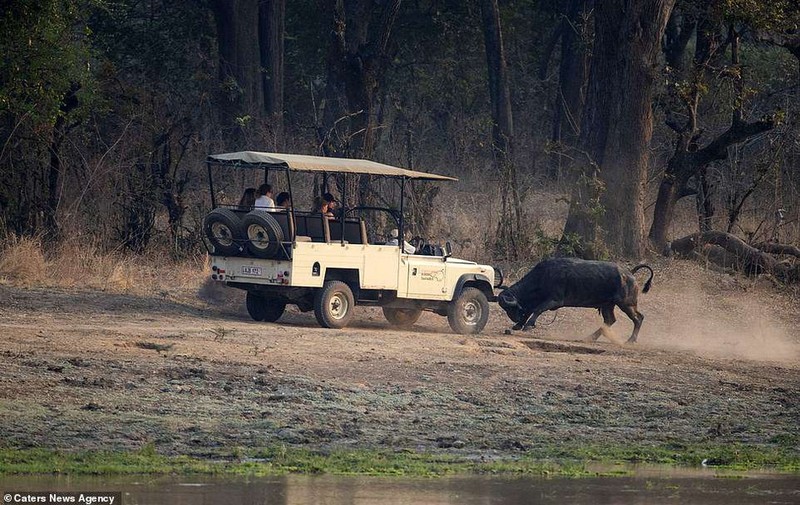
{"x":254,"y":271}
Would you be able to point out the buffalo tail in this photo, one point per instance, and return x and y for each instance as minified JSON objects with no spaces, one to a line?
{"x":649,"y":282}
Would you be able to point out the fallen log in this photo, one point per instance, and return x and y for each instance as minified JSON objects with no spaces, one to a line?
{"x":780,"y":249}
{"x":729,"y":251}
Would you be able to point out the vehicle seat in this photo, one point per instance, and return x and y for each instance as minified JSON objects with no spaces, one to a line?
{"x":355,"y":231}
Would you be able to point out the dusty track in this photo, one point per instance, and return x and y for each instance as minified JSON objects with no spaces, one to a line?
{"x":718,"y":361}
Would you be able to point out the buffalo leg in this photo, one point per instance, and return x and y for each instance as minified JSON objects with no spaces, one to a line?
{"x":608,"y":319}
{"x":542,"y":307}
{"x":636,"y":317}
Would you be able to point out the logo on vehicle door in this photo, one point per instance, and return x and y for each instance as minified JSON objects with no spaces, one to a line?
{"x":432,"y":275}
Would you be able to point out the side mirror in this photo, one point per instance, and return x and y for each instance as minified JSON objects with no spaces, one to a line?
{"x":448,"y":249}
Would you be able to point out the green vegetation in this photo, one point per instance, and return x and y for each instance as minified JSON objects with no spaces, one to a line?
{"x":728,"y":456}
{"x":561,"y":461}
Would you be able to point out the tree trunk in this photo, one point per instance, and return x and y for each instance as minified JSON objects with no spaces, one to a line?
{"x":705,"y":204}
{"x":502,"y":126}
{"x":358,"y":56}
{"x":680,"y":27}
{"x":239,"y":54}
{"x":684,"y":165}
{"x":668,"y":196}
{"x":55,"y":169}
{"x":573,"y":72}
{"x":271,"y":27}
{"x":617,"y":123}
{"x":357,"y":60}
{"x":780,"y":249}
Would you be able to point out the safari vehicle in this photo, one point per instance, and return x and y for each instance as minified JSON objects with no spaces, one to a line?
{"x":329,"y":264}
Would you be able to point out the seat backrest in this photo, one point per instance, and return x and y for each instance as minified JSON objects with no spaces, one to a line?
{"x":300,"y":224}
{"x":284,"y":221}
{"x":314,"y":226}
{"x":352,"y":231}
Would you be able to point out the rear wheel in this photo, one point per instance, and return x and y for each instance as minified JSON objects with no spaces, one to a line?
{"x":334,"y":305}
{"x":402,"y":318}
{"x":263,"y":308}
{"x":469,"y":312}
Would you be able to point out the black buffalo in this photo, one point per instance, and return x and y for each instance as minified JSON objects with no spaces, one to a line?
{"x":570,"y":282}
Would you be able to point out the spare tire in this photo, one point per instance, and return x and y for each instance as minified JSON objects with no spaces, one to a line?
{"x":264,"y":234}
{"x":223,"y":229}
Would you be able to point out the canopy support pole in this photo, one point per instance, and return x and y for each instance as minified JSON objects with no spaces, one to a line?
{"x":291,"y":204}
{"x":211,"y":186}
{"x":401,"y":235}
{"x":344,"y":199}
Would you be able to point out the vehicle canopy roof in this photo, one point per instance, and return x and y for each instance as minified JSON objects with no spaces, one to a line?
{"x":306,"y":163}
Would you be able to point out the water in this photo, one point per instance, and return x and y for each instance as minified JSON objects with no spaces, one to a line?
{"x":647,"y":486}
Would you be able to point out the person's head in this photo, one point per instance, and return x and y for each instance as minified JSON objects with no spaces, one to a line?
{"x":283,"y":200}
{"x":394,"y":233}
{"x":329,"y":200}
{"x":265,"y":190}
{"x":320,"y":205}
{"x":248,"y":198}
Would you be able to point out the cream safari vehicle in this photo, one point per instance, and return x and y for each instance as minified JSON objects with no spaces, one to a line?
{"x":329,"y":264}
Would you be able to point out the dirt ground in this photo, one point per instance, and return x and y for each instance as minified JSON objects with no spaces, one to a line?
{"x":718,"y":361}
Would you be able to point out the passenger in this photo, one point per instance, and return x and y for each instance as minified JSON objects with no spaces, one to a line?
{"x":394,"y":240}
{"x":283,"y":201}
{"x":248,"y":200}
{"x":264,"y":200}
{"x":324,"y":205}
{"x":317,"y":205}
{"x":331,"y":201}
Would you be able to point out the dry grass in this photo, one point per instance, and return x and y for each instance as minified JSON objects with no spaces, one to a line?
{"x":469,"y":220}
{"x":24,"y":261}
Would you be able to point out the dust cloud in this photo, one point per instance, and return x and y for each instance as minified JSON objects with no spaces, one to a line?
{"x":717,"y":315}
{"x":732,"y":324}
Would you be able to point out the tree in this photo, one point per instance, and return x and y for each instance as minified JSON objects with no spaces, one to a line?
{"x":271,"y":27}
{"x":617,"y":127}
{"x":357,"y":60}
{"x":689,"y":160}
{"x":680,"y":29}
{"x":502,"y":127}
{"x":573,"y":31}
{"x":152,"y":121}
{"x":239,"y":59}
{"x":44,"y":93}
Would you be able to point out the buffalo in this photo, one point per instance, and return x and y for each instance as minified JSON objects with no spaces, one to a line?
{"x":570,"y":282}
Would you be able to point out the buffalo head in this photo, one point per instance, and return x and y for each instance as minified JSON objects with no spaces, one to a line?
{"x":508,"y":301}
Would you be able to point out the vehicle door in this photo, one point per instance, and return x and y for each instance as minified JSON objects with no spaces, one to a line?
{"x":426,"y":277}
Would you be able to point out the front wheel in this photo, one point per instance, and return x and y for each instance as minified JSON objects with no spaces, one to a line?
{"x":334,"y":305}
{"x":402,"y":318}
{"x":469,"y":312}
